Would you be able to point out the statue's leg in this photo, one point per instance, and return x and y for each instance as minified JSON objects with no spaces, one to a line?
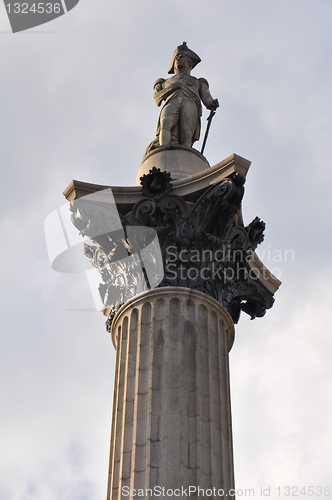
{"x":175,"y":134}
{"x":169,"y":116}
{"x":188,"y":121}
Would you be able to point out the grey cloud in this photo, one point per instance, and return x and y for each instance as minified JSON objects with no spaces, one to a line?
{"x":78,"y":104}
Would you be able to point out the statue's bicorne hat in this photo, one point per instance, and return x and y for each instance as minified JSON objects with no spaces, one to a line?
{"x":183,"y":49}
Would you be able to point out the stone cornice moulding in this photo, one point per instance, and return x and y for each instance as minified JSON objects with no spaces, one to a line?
{"x":265,"y":276}
{"x":188,"y":187}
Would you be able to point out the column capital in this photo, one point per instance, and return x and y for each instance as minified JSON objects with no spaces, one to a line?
{"x":204,"y":243}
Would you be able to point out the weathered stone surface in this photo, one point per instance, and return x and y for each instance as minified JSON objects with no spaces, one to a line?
{"x":179,"y":434}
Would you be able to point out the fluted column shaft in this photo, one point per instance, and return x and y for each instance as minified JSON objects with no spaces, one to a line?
{"x":171,"y":423}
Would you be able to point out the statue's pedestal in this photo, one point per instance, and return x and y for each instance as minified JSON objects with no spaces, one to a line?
{"x":179,"y":161}
{"x":171,"y":411}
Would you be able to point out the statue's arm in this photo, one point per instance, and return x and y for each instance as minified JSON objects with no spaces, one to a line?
{"x":163,"y":91}
{"x":205,"y":95}
{"x":158,"y":91}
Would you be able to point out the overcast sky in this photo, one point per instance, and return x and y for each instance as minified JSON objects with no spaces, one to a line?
{"x":76,"y":103}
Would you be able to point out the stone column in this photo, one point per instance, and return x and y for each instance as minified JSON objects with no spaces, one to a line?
{"x":171,"y":423}
{"x":171,"y":411}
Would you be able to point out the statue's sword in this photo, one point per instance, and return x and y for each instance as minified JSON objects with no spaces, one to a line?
{"x":209,"y":120}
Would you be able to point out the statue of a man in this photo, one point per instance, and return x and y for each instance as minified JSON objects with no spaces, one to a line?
{"x":179,"y":120}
